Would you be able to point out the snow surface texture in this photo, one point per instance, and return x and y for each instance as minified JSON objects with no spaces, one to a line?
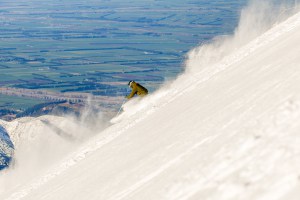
{"x":229,"y":130}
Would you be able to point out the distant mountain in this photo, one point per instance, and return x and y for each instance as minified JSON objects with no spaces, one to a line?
{"x":6,"y":148}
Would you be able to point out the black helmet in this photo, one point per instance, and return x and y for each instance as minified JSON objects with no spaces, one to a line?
{"x":129,"y":83}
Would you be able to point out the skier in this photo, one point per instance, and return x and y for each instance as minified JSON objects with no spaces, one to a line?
{"x":136,"y":89}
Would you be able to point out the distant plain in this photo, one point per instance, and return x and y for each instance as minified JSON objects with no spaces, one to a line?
{"x":97,"y":46}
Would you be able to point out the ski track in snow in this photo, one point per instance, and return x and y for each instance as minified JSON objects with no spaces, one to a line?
{"x":151,"y":176}
{"x":285,"y":116}
{"x":115,"y":131}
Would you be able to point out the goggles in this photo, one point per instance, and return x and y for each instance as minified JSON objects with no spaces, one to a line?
{"x":129,"y":84}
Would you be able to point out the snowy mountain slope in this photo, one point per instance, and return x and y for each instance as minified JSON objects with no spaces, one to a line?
{"x":231,"y":131}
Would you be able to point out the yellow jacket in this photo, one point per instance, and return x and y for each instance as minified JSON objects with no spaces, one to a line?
{"x":137,"y":89}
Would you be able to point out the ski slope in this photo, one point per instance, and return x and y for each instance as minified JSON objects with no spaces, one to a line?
{"x":228,"y":131}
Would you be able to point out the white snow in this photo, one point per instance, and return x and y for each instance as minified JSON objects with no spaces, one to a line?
{"x":229,"y":130}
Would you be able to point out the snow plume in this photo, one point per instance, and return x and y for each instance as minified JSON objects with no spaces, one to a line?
{"x":255,"y":19}
{"x":93,"y":117}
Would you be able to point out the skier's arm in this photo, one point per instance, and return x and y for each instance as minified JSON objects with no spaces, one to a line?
{"x":132,"y":93}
